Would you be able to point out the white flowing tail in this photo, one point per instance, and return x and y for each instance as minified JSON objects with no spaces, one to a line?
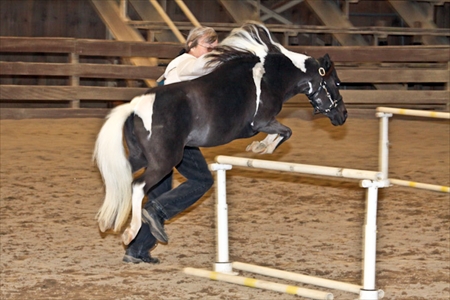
{"x":116,"y":171}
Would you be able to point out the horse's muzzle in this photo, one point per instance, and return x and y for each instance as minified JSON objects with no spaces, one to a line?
{"x":338,"y":116}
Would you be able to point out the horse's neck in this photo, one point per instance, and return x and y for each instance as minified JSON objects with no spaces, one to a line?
{"x":284,"y":78}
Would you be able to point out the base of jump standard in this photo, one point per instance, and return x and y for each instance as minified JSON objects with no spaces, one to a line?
{"x":223,"y":268}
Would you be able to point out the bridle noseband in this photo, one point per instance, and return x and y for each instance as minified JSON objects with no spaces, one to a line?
{"x":323,"y":86}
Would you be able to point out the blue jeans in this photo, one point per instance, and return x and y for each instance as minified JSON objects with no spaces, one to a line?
{"x":169,"y":202}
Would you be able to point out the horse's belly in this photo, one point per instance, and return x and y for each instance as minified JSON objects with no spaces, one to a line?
{"x":212,"y":138}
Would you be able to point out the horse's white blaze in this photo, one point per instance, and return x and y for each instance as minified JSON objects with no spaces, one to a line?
{"x":144,"y":109}
{"x":258,"y":72}
{"x":310,"y":88}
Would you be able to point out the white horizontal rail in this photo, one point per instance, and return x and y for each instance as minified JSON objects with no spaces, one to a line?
{"x":261,"y":284}
{"x":332,"y":284}
{"x":299,"y":168}
{"x":414,"y":112}
{"x":419,"y":185}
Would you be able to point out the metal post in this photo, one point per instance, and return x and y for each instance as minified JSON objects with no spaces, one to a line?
{"x":223,"y":264}
{"x":368,"y":291}
{"x":383,"y":158}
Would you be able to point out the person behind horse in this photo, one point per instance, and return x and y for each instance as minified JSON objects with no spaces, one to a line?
{"x":163,"y":201}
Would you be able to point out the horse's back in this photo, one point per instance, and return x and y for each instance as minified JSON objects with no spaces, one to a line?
{"x":224,"y":103}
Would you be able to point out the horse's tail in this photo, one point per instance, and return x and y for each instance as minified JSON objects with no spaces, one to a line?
{"x":115,"y":168}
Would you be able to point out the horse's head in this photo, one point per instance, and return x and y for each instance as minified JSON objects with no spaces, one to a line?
{"x":325,"y":97}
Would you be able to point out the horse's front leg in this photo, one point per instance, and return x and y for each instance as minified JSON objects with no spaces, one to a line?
{"x":278,"y":134}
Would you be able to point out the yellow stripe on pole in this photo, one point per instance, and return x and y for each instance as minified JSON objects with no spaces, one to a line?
{"x":213,"y":276}
{"x":250,"y":282}
{"x":290,"y":289}
{"x":419,"y":185}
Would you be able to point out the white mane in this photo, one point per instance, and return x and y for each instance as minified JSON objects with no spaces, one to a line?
{"x":240,"y":38}
{"x":248,"y":38}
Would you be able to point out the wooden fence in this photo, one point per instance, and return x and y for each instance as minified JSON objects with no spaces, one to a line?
{"x":405,"y":76}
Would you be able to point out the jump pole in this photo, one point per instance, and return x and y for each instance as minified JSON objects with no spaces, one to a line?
{"x":414,"y":112}
{"x":370,"y":180}
{"x":262,"y":284}
{"x":384,"y":113}
{"x":312,"y":280}
{"x":299,"y":168}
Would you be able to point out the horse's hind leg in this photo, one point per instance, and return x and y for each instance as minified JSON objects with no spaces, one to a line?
{"x":136,"y":201}
{"x":160,"y":156}
{"x":141,"y":187}
{"x":137,"y":161}
{"x":135,"y":155}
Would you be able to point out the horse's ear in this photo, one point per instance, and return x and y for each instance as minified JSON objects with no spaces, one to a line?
{"x":327,"y":63}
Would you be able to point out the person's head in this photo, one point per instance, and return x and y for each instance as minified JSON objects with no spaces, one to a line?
{"x":201,"y":40}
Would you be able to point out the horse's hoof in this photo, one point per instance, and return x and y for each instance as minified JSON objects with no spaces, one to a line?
{"x":102,"y":226}
{"x":127,"y":237}
{"x":250,"y":147}
{"x":259,"y":148}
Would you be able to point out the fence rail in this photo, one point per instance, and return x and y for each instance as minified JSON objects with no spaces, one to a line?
{"x":73,"y":71}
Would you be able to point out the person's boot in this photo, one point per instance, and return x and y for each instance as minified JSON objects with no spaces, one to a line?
{"x":136,"y":258}
{"x":150,"y":216}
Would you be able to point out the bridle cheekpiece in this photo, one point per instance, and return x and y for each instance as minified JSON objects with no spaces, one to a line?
{"x":323,"y":86}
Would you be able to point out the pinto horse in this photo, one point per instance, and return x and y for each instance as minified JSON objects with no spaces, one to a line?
{"x":142,"y":141}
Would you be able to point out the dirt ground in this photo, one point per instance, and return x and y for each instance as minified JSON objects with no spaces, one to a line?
{"x":51,"y":247}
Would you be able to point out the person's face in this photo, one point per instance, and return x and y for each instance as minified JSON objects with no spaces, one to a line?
{"x":202,"y":47}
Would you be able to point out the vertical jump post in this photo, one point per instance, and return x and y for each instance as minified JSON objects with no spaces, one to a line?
{"x":384,"y":113}
{"x":222,"y":264}
{"x":223,"y":267}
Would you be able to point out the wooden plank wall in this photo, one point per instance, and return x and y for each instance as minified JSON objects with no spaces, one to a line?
{"x":50,"y":18}
{"x":411,"y":76}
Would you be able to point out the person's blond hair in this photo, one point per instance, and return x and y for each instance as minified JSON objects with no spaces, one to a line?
{"x":197,"y":33}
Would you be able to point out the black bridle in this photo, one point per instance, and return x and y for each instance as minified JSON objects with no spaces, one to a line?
{"x":323,"y":86}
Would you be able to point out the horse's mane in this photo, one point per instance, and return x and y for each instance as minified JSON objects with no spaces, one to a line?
{"x":249,"y":40}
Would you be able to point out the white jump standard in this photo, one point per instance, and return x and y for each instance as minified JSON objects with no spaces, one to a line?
{"x":223,"y":268}
{"x":384,"y":113}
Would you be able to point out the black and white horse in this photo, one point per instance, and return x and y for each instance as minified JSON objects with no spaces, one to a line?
{"x":253,"y":76}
